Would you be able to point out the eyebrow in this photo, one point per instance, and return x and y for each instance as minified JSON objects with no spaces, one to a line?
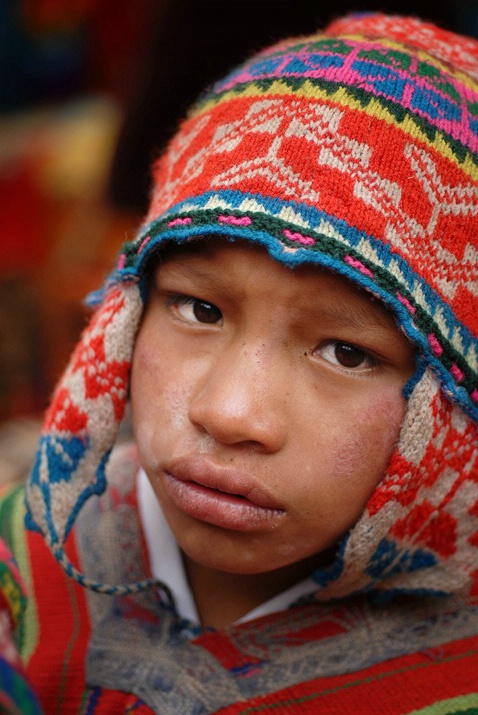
{"x":360,"y":317}
{"x":184,"y":269}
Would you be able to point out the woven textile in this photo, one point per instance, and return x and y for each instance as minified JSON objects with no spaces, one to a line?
{"x":91,"y":654}
{"x":16,"y":694}
{"x":355,"y":149}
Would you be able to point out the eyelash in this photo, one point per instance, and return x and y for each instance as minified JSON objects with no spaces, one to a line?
{"x":176,"y":302}
{"x":353,"y":351}
{"x":180,"y":301}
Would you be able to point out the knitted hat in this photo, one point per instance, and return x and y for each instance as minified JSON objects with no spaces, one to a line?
{"x":355,"y":149}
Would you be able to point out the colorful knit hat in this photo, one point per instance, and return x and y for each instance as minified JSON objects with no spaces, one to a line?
{"x":355,"y":149}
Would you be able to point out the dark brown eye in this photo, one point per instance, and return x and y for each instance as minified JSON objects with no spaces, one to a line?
{"x":206,"y":312}
{"x":346,"y":355}
{"x":349,"y":356}
{"x":194,"y":310}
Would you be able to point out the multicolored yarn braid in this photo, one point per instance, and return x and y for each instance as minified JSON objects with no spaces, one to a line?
{"x":355,"y":149}
{"x":16,"y":694}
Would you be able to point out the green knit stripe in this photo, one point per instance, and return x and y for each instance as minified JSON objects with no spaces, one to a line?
{"x":463,"y":705}
{"x":293,"y":85}
{"x":12,"y":530}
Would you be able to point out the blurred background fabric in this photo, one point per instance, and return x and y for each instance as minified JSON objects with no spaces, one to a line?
{"x":90,"y":92}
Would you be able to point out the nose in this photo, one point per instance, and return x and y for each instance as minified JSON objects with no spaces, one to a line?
{"x":240,"y":400}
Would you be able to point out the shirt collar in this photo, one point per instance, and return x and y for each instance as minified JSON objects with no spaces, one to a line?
{"x":167,"y":564}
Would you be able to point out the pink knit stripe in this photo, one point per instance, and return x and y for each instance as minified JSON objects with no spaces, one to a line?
{"x":406,"y":303}
{"x":180,"y":221}
{"x":235,"y":220}
{"x":457,"y":373}
{"x":144,"y":243}
{"x":435,"y":345}
{"x":298,"y":237}
{"x":358,"y":265}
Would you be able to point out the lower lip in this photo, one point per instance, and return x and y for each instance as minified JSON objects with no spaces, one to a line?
{"x":219,"y":508}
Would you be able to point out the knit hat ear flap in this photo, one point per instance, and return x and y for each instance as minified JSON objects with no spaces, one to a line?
{"x":81,"y":427}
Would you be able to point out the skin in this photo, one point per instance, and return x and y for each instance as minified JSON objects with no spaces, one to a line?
{"x":266,"y":402}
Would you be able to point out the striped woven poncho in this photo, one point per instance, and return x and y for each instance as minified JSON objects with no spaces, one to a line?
{"x":98,"y":655}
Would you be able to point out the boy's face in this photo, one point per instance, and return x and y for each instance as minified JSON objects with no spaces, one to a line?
{"x":266,"y":403}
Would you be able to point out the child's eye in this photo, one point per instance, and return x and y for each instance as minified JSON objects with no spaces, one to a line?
{"x":346,"y":355}
{"x":195,"y":310}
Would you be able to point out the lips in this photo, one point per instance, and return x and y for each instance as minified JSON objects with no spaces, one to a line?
{"x":220,"y":496}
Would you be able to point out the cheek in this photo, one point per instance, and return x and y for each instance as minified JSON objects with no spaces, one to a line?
{"x":363,"y":452}
{"x":145,"y":375}
{"x":155,"y":375}
{"x":157,"y":399}
{"x":162,"y":386}
{"x":175,"y":399}
{"x":352,"y":451}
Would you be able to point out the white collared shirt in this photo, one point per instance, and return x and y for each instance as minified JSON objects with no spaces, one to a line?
{"x":167,"y":565}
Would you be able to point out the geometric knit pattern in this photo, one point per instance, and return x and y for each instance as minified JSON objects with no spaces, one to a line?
{"x":390,"y":184}
{"x":81,"y":425}
{"x":355,"y":149}
{"x":419,"y":531}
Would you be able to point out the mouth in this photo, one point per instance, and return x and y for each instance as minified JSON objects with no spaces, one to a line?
{"x":220,"y":497}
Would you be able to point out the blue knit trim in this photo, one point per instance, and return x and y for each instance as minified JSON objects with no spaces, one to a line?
{"x":64,"y":457}
{"x":325,"y":576}
{"x":412,"y":382}
{"x":383,"y":597}
{"x":283,"y":228}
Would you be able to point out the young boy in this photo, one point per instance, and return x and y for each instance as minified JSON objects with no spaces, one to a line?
{"x":296,"y":526}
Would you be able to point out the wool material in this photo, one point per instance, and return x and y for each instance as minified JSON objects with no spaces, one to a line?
{"x":355,"y":149}
{"x":91,"y":654}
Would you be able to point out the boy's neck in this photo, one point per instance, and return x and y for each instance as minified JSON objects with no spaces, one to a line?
{"x":223,"y":598}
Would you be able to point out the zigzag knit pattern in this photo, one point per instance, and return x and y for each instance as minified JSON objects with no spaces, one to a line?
{"x":355,"y":149}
